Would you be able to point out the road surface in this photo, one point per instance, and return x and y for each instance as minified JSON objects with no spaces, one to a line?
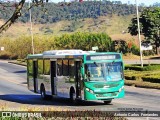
{"x":145,"y":61}
{"x":14,"y":95}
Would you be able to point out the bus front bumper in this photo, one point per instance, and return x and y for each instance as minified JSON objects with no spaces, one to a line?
{"x":90,"y":95}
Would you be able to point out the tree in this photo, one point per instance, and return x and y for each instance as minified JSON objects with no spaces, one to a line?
{"x":150,"y":25}
{"x":54,"y":12}
{"x":17,"y":7}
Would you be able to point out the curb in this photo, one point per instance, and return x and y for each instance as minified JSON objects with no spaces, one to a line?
{"x":18,"y":63}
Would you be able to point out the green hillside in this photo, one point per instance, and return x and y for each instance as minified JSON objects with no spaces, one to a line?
{"x":109,"y":17}
{"x":110,"y":25}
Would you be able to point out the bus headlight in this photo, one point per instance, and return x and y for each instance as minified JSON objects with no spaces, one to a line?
{"x":89,"y":90}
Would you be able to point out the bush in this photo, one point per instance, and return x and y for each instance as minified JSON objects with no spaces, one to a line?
{"x":151,"y":67}
{"x":145,"y":68}
{"x":136,"y":68}
{"x":152,"y":79}
{"x":130,"y":77}
{"x":148,"y":76}
{"x":8,"y":55}
{"x":5,"y":55}
{"x":22,"y":46}
{"x":135,"y":50}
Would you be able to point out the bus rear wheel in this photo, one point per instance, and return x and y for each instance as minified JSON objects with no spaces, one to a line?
{"x":107,"y":102}
{"x":73,"y":97}
{"x":43,"y":93}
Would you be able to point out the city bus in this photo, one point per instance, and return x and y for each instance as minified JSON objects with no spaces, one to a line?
{"x":76,"y":74}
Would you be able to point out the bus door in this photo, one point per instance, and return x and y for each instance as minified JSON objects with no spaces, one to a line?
{"x":53,"y":77}
{"x":35,"y":72}
{"x":77,"y":78}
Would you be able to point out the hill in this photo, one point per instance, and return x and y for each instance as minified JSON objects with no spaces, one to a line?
{"x":115,"y":26}
{"x":52,"y":12}
{"x":112,"y":18}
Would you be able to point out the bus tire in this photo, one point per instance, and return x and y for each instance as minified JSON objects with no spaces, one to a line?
{"x":43,"y":93}
{"x":73,"y":96}
{"x":107,"y":102}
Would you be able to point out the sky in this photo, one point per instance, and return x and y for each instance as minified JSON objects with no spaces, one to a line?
{"x":147,"y":2}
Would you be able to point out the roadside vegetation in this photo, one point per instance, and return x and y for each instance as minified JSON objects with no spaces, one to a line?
{"x":56,"y":113}
{"x":147,"y":77}
{"x":19,"y":48}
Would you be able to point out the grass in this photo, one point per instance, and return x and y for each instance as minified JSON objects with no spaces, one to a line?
{"x":111,"y":25}
{"x":142,"y":84}
{"x":147,"y":77}
{"x":146,"y":67}
{"x":21,"y":62}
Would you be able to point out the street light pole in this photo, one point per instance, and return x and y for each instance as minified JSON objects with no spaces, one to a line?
{"x":30,"y":18}
{"x":139,"y":35}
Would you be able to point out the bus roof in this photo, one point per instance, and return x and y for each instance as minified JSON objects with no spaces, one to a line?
{"x":74,"y":53}
{"x":64,"y":52}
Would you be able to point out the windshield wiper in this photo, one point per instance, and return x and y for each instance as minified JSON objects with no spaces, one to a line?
{"x":96,"y":64}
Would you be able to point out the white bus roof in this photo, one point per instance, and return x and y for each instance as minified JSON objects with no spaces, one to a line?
{"x":60,"y":54}
{"x":65,"y":52}
{"x":70,"y":54}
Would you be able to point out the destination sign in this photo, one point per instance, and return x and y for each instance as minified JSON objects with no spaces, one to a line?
{"x":103,"y":57}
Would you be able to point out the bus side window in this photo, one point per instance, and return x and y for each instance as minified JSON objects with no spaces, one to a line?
{"x":30,"y":68}
{"x":40,"y":69}
{"x":71,"y":70}
{"x":65,"y":68}
{"x":46,"y":67}
{"x":59,"y":67}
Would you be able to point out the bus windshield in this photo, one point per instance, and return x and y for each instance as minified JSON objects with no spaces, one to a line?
{"x":104,"y":71}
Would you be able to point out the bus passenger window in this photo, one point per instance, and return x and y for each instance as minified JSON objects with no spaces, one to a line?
{"x":30,"y":67}
{"x":65,"y":67}
{"x":46,"y":67}
{"x":71,"y":70}
{"x":40,"y":69}
{"x":59,"y":67}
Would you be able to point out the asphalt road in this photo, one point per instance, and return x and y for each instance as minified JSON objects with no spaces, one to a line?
{"x":14,"y":94}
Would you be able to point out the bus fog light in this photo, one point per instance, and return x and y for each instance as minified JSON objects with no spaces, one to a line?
{"x":91,"y":91}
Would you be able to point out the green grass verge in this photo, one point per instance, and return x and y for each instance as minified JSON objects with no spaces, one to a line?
{"x":146,"y":67}
{"x":149,"y":73}
{"x":18,"y":63}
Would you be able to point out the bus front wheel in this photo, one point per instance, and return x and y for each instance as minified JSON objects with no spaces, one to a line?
{"x":107,"y":101}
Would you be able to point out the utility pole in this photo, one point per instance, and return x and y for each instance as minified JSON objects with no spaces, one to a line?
{"x":158,"y":41}
{"x":30,"y":18}
{"x":139,"y":35}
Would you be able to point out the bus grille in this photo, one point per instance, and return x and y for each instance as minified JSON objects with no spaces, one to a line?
{"x":107,"y":95}
{"x":103,"y":85}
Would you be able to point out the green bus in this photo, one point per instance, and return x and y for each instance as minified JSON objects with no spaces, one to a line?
{"x":76,"y":74}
